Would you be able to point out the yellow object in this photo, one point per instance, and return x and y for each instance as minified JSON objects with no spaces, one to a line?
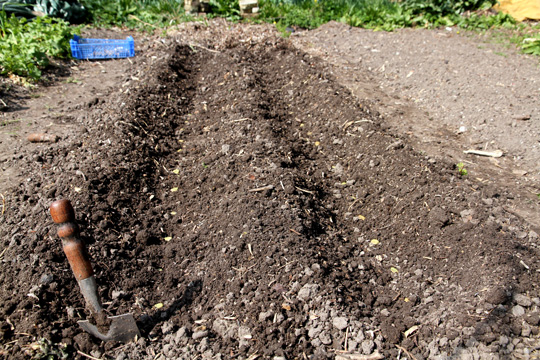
{"x":520,"y":9}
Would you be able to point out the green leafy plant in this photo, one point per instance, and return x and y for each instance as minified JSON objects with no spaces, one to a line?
{"x":434,"y":9}
{"x":461,"y":169}
{"x":531,"y":45}
{"x":136,"y":14}
{"x":382,"y":14}
{"x":229,"y":9}
{"x":16,"y":8}
{"x":378,"y":14}
{"x":25,"y":46}
{"x":482,"y":22}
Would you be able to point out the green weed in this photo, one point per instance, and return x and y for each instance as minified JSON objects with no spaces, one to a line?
{"x":531,"y":45}
{"x":461,"y":169}
{"x":136,"y":14}
{"x":72,"y":80}
{"x":383,"y":14}
{"x":25,"y":46}
{"x":229,"y":9}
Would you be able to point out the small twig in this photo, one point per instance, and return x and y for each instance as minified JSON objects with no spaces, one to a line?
{"x":393,"y":145}
{"x":145,"y":23}
{"x":146,"y":132}
{"x":386,"y":226}
{"x":296,"y":232}
{"x":406,"y":352}
{"x":267,"y":187}
{"x":239,"y":120}
{"x":345,"y":355}
{"x":3,"y":204}
{"x":79,"y":172}
{"x":346,"y":125}
{"x":24,"y":334}
{"x":205,"y":48}
{"x":3,"y":102}
{"x":128,"y":124}
{"x":304,"y":190}
{"x":495,"y":154}
{"x":86,"y":355}
{"x":354,"y":202}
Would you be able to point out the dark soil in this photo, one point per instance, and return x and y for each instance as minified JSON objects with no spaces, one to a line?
{"x":241,"y":203}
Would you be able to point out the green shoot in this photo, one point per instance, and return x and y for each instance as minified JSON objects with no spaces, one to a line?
{"x":461,"y":169}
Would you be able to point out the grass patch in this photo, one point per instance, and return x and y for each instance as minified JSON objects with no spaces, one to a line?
{"x":383,"y":14}
{"x":144,"y":15}
{"x":523,"y":36}
{"x":8,"y":122}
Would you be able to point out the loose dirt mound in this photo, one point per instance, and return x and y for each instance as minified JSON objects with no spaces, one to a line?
{"x":242,"y":204}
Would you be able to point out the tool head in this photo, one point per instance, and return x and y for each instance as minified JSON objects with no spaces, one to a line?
{"x":122,"y":329}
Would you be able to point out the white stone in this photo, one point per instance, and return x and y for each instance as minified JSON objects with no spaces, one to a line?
{"x":518,"y":311}
{"x":340,"y":323}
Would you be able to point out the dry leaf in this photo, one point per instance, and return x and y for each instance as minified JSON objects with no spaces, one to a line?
{"x":410,"y":331}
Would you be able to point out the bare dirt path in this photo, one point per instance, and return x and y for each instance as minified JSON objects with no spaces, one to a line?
{"x":448,"y":92}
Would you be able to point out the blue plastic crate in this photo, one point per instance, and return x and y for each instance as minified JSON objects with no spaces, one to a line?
{"x":83,"y":49}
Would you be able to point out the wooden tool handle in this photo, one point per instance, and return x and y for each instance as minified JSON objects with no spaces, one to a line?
{"x":38,"y":137}
{"x":63,"y":214}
